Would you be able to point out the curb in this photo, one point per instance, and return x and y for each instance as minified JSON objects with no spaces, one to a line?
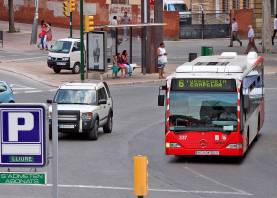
{"x":54,"y":85}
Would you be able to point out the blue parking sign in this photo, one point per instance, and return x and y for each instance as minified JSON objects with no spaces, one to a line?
{"x":22,"y":132}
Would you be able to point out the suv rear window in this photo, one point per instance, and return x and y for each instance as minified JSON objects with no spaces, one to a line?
{"x":74,"y":96}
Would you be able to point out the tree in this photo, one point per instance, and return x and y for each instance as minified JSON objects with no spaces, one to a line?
{"x":11,"y":17}
{"x":267,"y":29}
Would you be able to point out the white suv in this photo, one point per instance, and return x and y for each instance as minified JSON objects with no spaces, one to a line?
{"x":83,"y":108}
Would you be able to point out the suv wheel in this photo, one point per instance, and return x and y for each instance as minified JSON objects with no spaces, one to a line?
{"x":76,"y":68}
{"x":108,"y":127}
{"x":93,"y":134}
{"x":57,"y":70}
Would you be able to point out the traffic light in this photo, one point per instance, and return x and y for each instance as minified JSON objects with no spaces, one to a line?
{"x":72,"y":5}
{"x":140,"y":175}
{"x":89,"y":23}
{"x":65,"y":8}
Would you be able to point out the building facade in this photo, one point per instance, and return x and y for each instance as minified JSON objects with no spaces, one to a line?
{"x":228,"y":5}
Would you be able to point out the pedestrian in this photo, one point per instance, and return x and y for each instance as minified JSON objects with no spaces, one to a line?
{"x":251,"y":40}
{"x":275,"y":29}
{"x":124,"y":58}
{"x":41,"y":35}
{"x":48,"y":35}
{"x":113,"y":30}
{"x":162,"y":59}
{"x":121,"y":65}
{"x":115,"y":68}
{"x":125,"y":20}
{"x":234,"y":33}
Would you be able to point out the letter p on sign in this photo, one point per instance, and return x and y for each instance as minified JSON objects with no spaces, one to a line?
{"x":19,"y":122}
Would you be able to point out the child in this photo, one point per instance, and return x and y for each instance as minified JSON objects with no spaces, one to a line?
{"x":115,"y":68}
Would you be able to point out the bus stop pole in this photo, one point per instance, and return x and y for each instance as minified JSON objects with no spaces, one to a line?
{"x":55,"y":140}
{"x":116,"y":41}
{"x":131,"y":45}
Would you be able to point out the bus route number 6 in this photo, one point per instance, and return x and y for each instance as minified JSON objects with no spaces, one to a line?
{"x":181,"y":83}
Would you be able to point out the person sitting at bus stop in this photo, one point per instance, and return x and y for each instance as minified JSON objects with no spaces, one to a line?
{"x":121,"y":66}
{"x":124,"y":57}
{"x":115,"y":68}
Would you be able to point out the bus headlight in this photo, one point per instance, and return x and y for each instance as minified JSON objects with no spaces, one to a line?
{"x":234,"y":146}
{"x":172,"y":145}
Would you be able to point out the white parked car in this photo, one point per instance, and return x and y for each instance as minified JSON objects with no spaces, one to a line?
{"x":83,"y":108}
{"x":65,"y":54}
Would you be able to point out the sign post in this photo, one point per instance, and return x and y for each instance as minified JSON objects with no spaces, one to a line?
{"x":23,"y":143}
{"x":22,"y":178}
{"x":55,"y":149}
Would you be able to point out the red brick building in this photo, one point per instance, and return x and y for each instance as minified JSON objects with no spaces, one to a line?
{"x":52,"y":11}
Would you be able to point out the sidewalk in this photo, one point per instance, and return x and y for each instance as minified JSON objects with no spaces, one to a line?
{"x":38,"y":70}
{"x":36,"y":67}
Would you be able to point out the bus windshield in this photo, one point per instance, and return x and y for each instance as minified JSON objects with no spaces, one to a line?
{"x":203,"y":111}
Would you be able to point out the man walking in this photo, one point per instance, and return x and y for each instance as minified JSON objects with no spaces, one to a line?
{"x":125,"y":20}
{"x":275,"y":29}
{"x":234,"y":33}
{"x":251,"y":40}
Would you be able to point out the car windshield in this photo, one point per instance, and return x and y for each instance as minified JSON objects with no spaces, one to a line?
{"x":203,"y":111}
{"x":61,"y":47}
{"x":177,"y":7}
{"x":75,"y":96}
{"x":3,"y":87}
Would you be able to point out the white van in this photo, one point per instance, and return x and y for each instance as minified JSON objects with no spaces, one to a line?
{"x":65,"y":54}
{"x":178,"y":5}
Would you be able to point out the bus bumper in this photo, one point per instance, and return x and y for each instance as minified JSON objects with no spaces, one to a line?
{"x":204,"y":152}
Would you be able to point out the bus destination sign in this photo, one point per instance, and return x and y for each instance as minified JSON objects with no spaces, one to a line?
{"x":200,"y":84}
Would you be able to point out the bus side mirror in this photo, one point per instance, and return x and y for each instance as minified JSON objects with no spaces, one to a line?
{"x":161,"y":97}
{"x":161,"y":100}
{"x":246,"y":102}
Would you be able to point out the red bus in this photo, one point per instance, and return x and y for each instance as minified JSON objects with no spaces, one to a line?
{"x":214,"y":105}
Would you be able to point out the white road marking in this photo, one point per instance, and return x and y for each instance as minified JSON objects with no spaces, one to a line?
{"x":23,"y":59}
{"x":33,"y":91}
{"x":150,"y":189}
{"x":217,"y":182}
{"x":23,"y":88}
{"x":20,"y":89}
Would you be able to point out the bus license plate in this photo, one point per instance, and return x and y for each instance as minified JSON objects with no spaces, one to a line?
{"x":207,"y":153}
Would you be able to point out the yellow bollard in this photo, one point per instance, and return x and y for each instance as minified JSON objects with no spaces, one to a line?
{"x":140,"y":176}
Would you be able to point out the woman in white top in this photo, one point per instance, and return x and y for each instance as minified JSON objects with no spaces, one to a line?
{"x":275,"y":29}
{"x":162,"y":59}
